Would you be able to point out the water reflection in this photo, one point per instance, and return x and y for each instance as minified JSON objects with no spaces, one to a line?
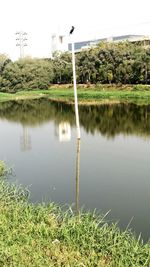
{"x":25,"y":139}
{"x":78,"y":176}
{"x":64,"y":132}
{"x":109,"y":120}
{"x":115,"y":171}
{"x":64,"y":135}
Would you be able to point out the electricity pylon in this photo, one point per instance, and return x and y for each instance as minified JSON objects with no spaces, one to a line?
{"x":21,"y":41}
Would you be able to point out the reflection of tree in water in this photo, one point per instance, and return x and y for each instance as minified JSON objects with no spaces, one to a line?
{"x":109,"y":120}
{"x":115,"y":119}
{"x":36,"y":112}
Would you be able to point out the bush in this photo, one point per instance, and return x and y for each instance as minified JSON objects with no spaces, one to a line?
{"x":26,"y":73}
{"x":2,"y":168}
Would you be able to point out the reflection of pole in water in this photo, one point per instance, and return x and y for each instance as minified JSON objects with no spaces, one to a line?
{"x":25,"y":140}
{"x":77,"y":175}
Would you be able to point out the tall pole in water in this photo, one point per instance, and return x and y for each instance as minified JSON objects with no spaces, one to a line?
{"x":75,"y":88}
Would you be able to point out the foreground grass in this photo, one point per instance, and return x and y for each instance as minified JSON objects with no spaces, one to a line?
{"x":44,"y":235}
{"x":91,"y":95}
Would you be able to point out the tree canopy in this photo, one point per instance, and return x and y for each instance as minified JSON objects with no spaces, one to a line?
{"x":26,"y":74}
{"x":123,"y":63}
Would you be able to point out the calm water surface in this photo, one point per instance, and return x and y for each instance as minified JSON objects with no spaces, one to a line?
{"x":38,"y":139}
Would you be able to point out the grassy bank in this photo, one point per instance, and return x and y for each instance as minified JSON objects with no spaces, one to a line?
{"x":87,"y":94}
{"x":44,"y":235}
{"x":21,"y":95}
{"x":96,"y":96}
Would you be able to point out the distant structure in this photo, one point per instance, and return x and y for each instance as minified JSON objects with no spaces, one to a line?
{"x":64,"y":132}
{"x":58,"y":43}
{"x":142,"y":41}
{"x":139,"y":39}
{"x":21,"y":41}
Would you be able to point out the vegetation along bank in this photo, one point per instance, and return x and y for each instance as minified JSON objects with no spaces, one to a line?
{"x":91,"y":95}
{"x":110,"y":71}
{"x":44,"y":235}
{"x":108,"y":63}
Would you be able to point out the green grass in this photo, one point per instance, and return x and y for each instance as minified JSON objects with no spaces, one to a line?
{"x":85,"y":95}
{"x":44,"y":235}
{"x":20,"y":95}
{"x":97,"y":95}
{"x":5,"y":96}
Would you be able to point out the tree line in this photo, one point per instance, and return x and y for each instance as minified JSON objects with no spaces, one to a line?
{"x":124,"y":62}
{"x":120,"y":63}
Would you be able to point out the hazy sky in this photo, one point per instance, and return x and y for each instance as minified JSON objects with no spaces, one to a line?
{"x":92,"y":19}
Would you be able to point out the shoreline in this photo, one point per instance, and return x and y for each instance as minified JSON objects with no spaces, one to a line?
{"x":45,"y":235}
{"x":86,"y":96}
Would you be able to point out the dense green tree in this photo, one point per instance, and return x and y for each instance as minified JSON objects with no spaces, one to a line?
{"x":62,"y":67}
{"x":114,"y":62}
{"x":4,"y":60}
{"x":27,"y":74}
{"x":87,"y":65}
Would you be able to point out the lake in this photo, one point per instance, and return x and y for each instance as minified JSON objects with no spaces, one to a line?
{"x":38,"y":140}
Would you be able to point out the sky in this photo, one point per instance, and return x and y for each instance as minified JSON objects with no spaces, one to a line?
{"x":92,"y":19}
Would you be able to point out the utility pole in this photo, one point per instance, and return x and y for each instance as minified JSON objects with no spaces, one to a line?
{"x":21,"y":41}
{"x":75,"y":87}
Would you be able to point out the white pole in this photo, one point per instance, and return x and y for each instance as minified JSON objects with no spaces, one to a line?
{"x":75,"y":93}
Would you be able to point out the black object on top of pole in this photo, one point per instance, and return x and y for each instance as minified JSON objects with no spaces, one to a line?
{"x":72,"y":29}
